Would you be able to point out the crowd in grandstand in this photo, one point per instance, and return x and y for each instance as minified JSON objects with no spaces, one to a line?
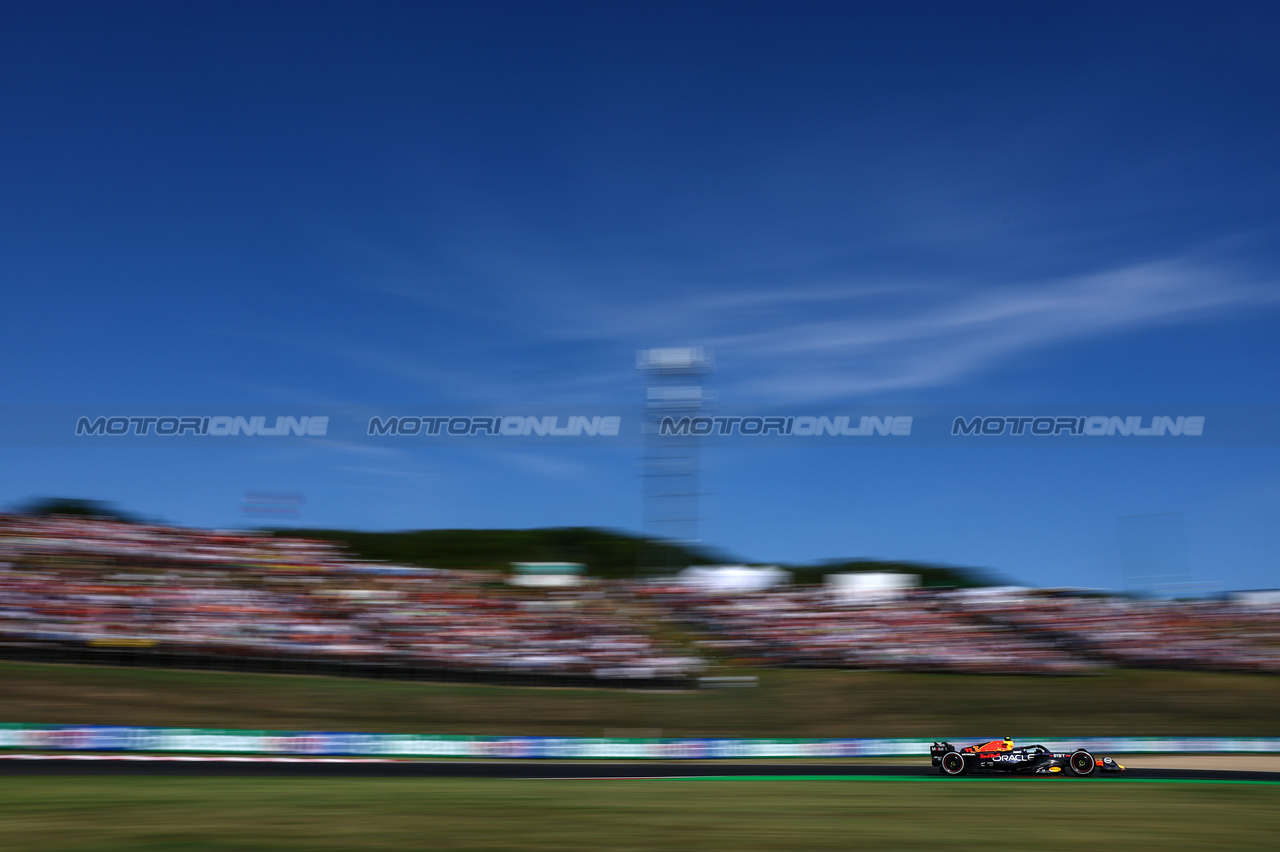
{"x":1213,"y":634}
{"x":1024,"y":631}
{"x":95,"y":583}
{"x":105,"y":584}
{"x":64,"y":537}
{"x":813,"y":627}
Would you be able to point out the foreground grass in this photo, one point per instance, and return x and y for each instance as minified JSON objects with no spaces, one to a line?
{"x":786,"y":704}
{"x":77,"y":814}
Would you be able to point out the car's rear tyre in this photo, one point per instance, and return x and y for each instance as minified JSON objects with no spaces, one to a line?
{"x":1082,"y":763}
{"x":953,"y":763}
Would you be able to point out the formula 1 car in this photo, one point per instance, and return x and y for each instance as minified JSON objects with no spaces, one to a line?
{"x":1001,"y":756}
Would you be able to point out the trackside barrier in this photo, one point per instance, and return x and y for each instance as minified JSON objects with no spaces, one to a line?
{"x":199,"y":740}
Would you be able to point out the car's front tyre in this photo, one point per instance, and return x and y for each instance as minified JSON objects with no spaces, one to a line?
{"x":1082,"y":763}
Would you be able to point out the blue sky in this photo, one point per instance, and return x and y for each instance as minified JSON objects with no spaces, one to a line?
{"x":486,"y":204}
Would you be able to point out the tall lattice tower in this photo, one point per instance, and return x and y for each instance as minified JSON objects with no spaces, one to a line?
{"x":670,"y":470}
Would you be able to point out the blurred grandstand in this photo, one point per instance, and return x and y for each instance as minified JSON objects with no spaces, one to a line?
{"x":90,"y":588}
{"x":96,"y":589}
{"x":980,"y":631}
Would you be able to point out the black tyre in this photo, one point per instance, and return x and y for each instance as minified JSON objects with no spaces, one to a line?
{"x":953,"y":763}
{"x":1082,"y":763}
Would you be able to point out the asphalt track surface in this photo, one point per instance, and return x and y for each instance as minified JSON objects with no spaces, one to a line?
{"x":31,"y":765}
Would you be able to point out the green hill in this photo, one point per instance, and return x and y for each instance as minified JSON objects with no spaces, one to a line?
{"x":606,"y":553}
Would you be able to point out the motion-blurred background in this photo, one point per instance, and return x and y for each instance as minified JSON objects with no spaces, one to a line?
{"x":291,"y":208}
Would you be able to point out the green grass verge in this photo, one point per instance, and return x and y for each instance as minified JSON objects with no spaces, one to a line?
{"x":786,"y":704}
{"x":76,"y":814}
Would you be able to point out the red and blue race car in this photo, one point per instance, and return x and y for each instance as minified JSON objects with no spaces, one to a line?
{"x":1001,"y":756}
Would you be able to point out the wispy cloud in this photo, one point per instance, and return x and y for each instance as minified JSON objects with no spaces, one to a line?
{"x":930,"y":342}
{"x":830,"y":342}
{"x":815,"y":339}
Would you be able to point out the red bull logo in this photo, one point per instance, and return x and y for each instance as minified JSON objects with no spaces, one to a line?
{"x":994,"y":745}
